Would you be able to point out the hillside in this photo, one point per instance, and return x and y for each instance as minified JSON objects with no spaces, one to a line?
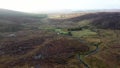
{"x":89,"y":40}
{"x":16,"y":17}
{"x":105,"y":20}
{"x":11,"y":21}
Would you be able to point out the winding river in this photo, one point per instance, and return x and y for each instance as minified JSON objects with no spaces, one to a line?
{"x":87,"y":54}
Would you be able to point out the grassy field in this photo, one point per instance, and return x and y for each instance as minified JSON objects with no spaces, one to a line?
{"x":83,"y":33}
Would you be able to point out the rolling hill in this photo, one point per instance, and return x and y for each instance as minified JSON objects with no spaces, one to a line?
{"x":19,"y":17}
{"x":37,"y":41}
{"x":11,"y":21}
{"x":105,"y":20}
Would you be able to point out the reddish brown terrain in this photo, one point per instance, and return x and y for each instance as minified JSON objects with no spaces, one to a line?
{"x":73,"y":40}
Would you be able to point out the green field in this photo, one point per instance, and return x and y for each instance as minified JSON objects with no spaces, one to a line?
{"x":83,"y":33}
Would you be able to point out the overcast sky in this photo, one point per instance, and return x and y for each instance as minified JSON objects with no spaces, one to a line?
{"x":56,"y":5}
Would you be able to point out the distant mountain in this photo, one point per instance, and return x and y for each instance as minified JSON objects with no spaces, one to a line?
{"x":14,"y":20}
{"x":98,"y":10}
{"x":17,"y":17}
{"x":106,"y":20}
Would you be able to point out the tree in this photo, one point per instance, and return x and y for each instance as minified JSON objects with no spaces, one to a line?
{"x":69,"y":33}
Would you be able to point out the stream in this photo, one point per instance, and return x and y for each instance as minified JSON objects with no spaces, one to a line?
{"x":87,"y":54}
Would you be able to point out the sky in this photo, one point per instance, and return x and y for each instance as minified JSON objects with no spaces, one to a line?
{"x":58,"y":5}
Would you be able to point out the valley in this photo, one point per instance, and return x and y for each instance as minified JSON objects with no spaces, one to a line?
{"x":76,"y":40}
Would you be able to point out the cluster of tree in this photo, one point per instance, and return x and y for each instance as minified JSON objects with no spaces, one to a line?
{"x":75,"y":29}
